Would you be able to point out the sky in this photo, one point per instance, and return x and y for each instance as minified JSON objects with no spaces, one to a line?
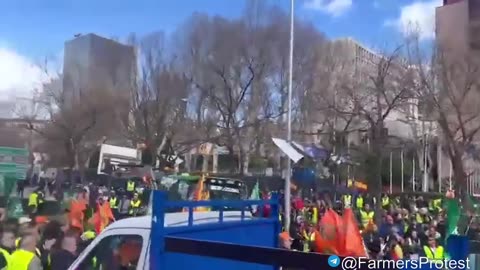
{"x":32,"y":30}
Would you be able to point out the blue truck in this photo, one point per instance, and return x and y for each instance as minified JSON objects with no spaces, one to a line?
{"x":192,"y":240}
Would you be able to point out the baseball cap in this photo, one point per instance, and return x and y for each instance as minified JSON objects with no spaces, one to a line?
{"x":24,"y":220}
{"x":285,"y":236}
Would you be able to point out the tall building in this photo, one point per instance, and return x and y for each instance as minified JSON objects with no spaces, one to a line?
{"x":93,"y":63}
{"x":458,"y":25}
{"x":99,"y":73}
{"x":458,"y":35}
{"x":356,"y":53}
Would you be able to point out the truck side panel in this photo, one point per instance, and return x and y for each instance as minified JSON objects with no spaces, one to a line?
{"x":252,"y":232}
{"x":256,"y":235}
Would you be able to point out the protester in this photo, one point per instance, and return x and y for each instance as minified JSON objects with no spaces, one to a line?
{"x":34,"y":201}
{"x":135,"y":204}
{"x":25,"y":257}
{"x":113,"y":201}
{"x":130,"y":188}
{"x":67,"y":254}
{"x":124,"y":206}
{"x":7,"y":247}
{"x":409,"y":227}
{"x":433,"y":251}
{"x":285,"y":241}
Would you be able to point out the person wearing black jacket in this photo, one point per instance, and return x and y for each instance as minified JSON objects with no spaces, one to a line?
{"x":50,"y":241}
{"x":63,"y":258}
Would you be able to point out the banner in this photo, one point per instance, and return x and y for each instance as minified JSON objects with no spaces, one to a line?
{"x":354,"y":244}
{"x":102,"y":217}
{"x":329,"y":238}
{"x":76,"y":215}
{"x":339,"y":235}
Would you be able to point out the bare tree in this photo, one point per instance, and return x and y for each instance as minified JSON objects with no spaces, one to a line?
{"x":159,"y":99}
{"x":70,"y":122}
{"x":449,"y":93}
{"x":370,"y":90}
{"x":221,"y":74}
{"x":239,"y":73}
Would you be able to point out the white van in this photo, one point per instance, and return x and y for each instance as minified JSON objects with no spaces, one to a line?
{"x":129,"y":240}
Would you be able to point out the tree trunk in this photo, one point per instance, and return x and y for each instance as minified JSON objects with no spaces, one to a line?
{"x":377,"y":143}
{"x":460,"y":178}
{"x":377,"y":187}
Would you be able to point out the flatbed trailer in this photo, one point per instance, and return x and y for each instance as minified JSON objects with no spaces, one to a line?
{"x":248,"y":243}
{"x":229,"y":238}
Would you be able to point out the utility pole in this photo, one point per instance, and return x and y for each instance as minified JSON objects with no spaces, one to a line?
{"x":289,"y":121}
{"x":425,"y":157}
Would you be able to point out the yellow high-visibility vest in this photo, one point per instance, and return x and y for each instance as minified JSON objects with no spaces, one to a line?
{"x":385,"y":201}
{"x":113,"y":203}
{"x":420,"y":219}
{"x":309,"y":238}
{"x":89,"y":235}
{"x":347,"y":200}
{"x":359,"y":202}
{"x":20,"y":259}
{"x":438,"y":255}
{"x":33,"y":199}
{"x":134,"y":205}
{"x":315,"y":216}
{"x":17,"y":246}
{"x":437,"y":204}
{"x":366,"y":217}
{"x":130,"y":186}
{"x":7,"y":257}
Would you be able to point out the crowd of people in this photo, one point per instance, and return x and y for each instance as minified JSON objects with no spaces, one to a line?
{"x":35,"y":242}
{"x":409,"y":227}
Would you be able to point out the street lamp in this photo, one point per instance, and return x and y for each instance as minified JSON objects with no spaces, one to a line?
{"x":289,"y":121}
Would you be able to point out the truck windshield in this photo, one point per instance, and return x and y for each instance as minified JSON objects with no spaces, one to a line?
{"x":225,"y":189}
{"x":218,"y":188}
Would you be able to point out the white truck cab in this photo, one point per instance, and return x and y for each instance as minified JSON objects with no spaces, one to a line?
{"x":127,"y":241}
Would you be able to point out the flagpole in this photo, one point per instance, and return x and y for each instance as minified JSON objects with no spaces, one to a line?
{"x":413,"y":173}
{"x":439,"y":166}
{"x":425,"y":161}
{"x":402,"y":168}
{"x":450,"y":175}
{"x":289,"y":122}
{"x":348,"y":165}
{"x":391,"y":172}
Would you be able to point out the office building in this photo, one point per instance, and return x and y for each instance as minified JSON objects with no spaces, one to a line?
{"x":99,"y":73}
{"x":458,"y":26}
{"x":93,"y":63}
